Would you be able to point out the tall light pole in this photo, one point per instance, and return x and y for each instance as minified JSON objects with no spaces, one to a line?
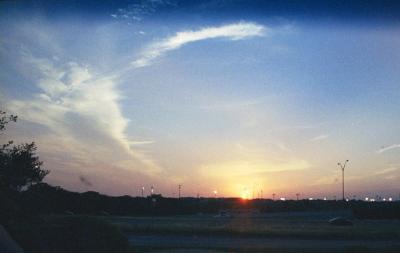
{"x":179,"y":191}
{"x":142,"y":191}
{"x":342,"y":166}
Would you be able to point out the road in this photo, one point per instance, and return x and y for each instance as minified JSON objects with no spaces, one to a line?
{"x":225,"y":242}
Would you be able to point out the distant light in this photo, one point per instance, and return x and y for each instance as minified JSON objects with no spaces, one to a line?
{"x":384,"y":199}
{"x":282,"y":199}
{"x":390,"y":199}
{"x":310,"y":198}
{"x":324,"y":198}
{"x":372,"y":200}
{"x":347,"y":200}
{"x":366,"y":198}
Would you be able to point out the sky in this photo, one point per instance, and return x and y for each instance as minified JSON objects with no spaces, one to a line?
{"x":229,"y":96}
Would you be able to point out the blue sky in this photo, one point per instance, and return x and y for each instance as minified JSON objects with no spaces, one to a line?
{"x":214,"y":95}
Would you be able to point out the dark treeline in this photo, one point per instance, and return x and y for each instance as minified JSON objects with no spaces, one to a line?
{"x":45,"y":199}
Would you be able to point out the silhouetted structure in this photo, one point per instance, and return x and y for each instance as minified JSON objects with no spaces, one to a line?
{"x":342,"y":166}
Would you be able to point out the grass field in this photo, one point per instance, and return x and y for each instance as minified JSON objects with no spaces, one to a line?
{"x":284,"y":233}
{"x":285,"y":226}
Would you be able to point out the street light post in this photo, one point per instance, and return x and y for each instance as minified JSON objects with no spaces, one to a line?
{"x":342,"y":166}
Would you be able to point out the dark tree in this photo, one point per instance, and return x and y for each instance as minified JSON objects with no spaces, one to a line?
{"x":20,"y":167}
{"x":4,"y":119}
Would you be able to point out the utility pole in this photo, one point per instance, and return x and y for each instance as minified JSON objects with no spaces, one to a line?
{"x":342,"y":166}
{"x":142,"y":191}
{"x":273,"y":196}
{"x":297,"y":196}
{"x":179,"y":191}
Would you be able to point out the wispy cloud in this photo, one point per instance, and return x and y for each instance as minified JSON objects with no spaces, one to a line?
{"x":300,"y":127}
{"x":253,"y":168}
{"x":78,"y":110}
{"x":384,"y":149}
{"x":386,"y":171}
{"x":233,"y":105}
{"x":319,"y":137}
{"x":82,"y":113}
{"x":235,"y":31}
{"x":137,"y":143}
{"x":137,"y":11}
{"x":334,"y":178}
{"x":251,"y":162}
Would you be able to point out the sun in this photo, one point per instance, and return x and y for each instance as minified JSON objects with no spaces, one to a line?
{"x":245,"y":194}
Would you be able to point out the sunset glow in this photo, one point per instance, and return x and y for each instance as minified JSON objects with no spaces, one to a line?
{"x":228,"y":101}
{"x":245,"y":194}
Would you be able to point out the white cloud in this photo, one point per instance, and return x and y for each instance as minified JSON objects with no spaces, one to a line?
{"x":140,"y":9}
{"x":236,"y":31}
{"x":319,"y":137}
{"x":384,"y":149}
{"x":133,"y":143}
{"x":83,"y":115}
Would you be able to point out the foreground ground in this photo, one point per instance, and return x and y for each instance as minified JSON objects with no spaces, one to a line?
{"x":257,"y":244}
{"x":284,"y":232}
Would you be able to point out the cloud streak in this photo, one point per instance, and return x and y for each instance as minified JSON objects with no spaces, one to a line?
{"x":237,"y":31}
{"x":384,"y":149}
{"x":251,"y":162}
{"x":253,"y":168}
{"x":233,"y":105}
{"x":386,"y":171}
{"x":319,"y":137}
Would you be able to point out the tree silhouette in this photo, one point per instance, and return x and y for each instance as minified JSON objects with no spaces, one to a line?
{"x":5,"y":119}
{"x":20,"y":167}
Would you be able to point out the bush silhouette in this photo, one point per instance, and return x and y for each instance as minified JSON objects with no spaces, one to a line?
{"x":74,"y":234}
